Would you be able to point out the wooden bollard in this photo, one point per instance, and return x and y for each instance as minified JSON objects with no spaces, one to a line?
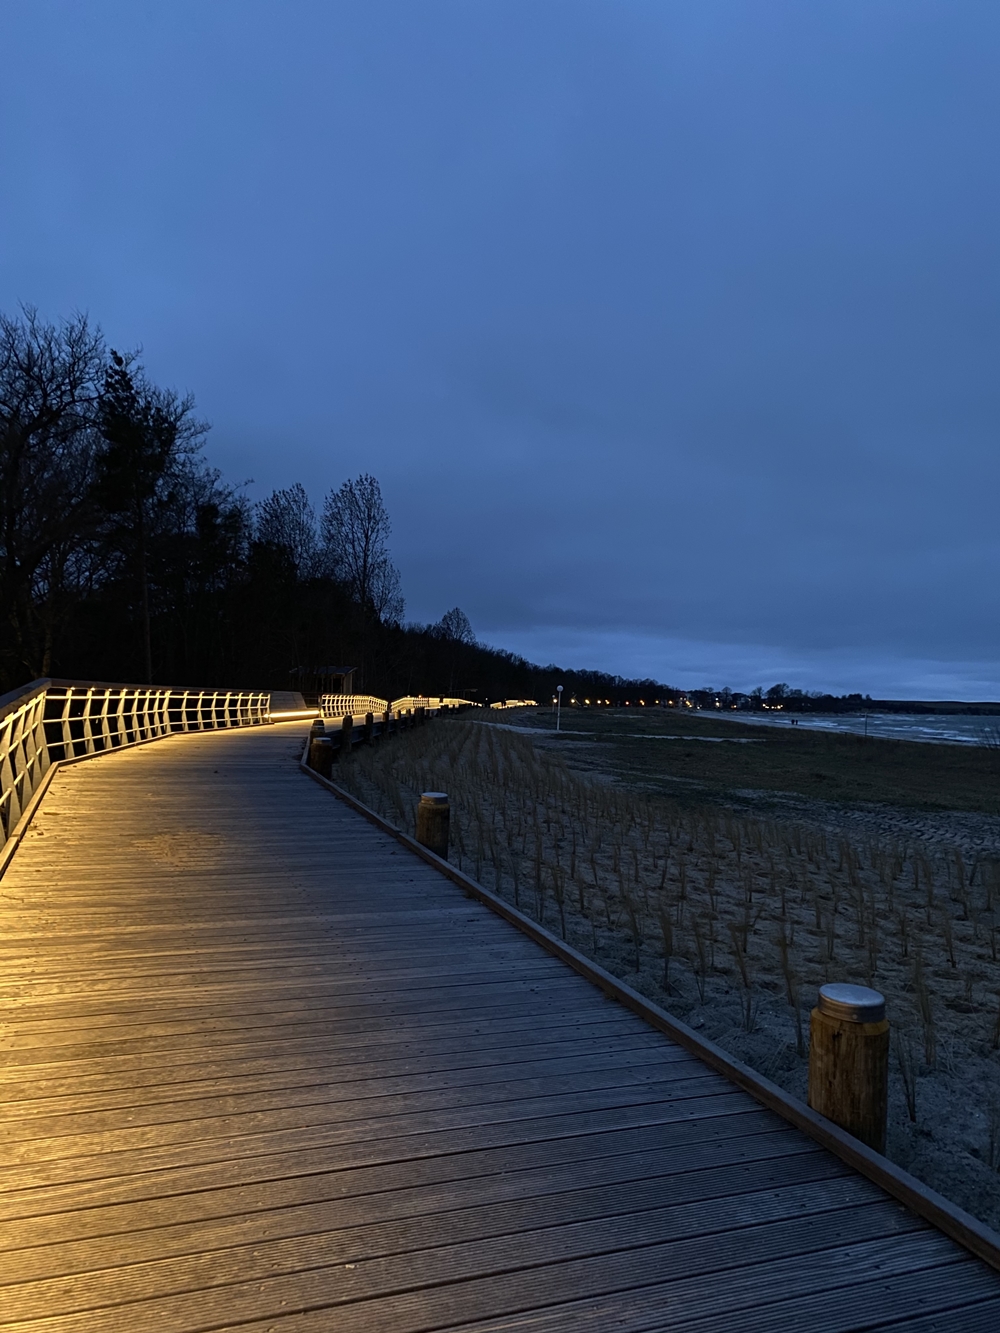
{"x":346,"y":736}
{"x":321,"y":755}
{"x":433,"y":815}
{"x":369,"y":728}
{"x":387,"y":722}
{"x":849,"y":1061}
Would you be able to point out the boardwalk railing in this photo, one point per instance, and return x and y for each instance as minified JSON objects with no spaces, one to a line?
{"x":360,"y":705}
{"x":429,"y":703}
{"x":357,"y":705}
{"x":52,"y":721}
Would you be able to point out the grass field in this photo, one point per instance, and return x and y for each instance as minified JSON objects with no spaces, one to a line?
{"x":634,"y":746}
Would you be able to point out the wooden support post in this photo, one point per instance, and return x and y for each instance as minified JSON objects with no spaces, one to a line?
{"x":346,"y":736}
{"x":369,"y":728}
{"x":421,"y":714}
{"x":433,"y":815}
{"x":849,"y":1061}
{"x":387,"y":722}
{"x":321,"y":755}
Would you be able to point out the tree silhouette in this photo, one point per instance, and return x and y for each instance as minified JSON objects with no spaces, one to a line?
{"x":149,"y":435}
{"x":49,"y":384}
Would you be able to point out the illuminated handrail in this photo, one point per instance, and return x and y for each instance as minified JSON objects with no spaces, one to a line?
{"x":429,"y":703}
{"x":51,"y":721}
{"x":358,"y":705}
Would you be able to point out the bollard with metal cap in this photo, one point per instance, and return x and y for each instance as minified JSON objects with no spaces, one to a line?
{"x":849,"y":1061}
{"x":433,"y":814}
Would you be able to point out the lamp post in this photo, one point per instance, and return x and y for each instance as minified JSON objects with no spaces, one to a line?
{"x":559,"y":690}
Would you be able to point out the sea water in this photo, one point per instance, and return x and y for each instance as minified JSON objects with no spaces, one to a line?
{"x":938,"y":728}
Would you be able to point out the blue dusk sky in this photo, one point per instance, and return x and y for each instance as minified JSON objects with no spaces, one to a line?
{"x":671,"y":330}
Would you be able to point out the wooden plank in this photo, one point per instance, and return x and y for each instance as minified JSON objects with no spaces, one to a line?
{"x":221,"y":1018}
{"x":320,"y":1204}
{"x":617,"y":1069}
{"x":314,"y":1067}
{"x":535,"y":1231}
{"x":229,"y":1041}
{"x":309,"y":1152}
{"x":36,"y":1095}
{"x":419,"y":1156}
{"x":90,"y":1156}
{"x":483,"y":998}
{"x":437,"y":1287}
{"x":910,"y":1300}
{"x":101,"y":961}
{"x":958,"y":1292}
{"x":895,"y":1302}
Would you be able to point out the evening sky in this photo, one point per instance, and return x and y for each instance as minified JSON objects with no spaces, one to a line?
{"x":670,"y":329}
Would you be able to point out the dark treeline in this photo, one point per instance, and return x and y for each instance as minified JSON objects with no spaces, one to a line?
{"x":124,"y":556}
{"x":801,"y":701}
{"x":779,"y":696}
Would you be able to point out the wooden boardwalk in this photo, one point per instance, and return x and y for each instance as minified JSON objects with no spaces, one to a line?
{"x":265,"y":1069}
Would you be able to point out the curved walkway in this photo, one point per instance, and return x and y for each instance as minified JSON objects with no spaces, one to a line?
{"x":265,"y":1069}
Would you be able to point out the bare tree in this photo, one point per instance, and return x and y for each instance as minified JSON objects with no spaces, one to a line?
{"x":50,"y":379}
{"x":355,"y":533}
{"x":454,"y":625}
{"x":287,"y":520}
{"x":355,"y":530}
{"x":455,"y":629}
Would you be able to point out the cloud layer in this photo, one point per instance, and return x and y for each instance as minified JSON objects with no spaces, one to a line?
{"x":671,"y":330}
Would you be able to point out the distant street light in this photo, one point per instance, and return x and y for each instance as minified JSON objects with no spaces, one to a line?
{"x":559,"y":690}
